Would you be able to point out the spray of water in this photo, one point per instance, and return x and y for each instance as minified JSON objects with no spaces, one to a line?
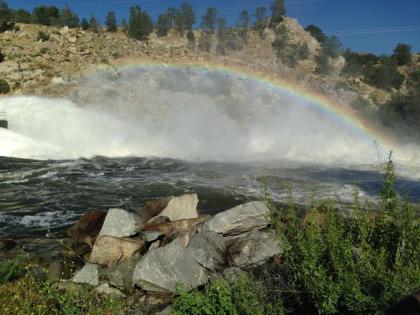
{"x":186,"y":114}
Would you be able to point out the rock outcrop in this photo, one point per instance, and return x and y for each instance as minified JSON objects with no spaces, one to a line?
{"x":121,"y":223}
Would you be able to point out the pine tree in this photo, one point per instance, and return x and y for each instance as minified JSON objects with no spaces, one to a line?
{"x":191,"y":38}
{"x":45,"y":15}
{"x":260,"y":19}
{"x":5,"y":13}
{"x":84,"y":24}
{"x":278,"y":10}
{"x":209,"y":20}
{"x":243,"y":24}
{"x":68,"y":18}
{"x":185,"y":17}
{"x":402,"y":54}
{"x":140,"y":24}
{"x":163,"y":25}
{"x":94,"y":24}
{"x":22,"y":16}
{"x":316,"y":33}
{"x":111,"y":22}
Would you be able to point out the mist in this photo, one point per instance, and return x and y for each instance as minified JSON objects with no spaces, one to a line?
{"x":178,"y":113}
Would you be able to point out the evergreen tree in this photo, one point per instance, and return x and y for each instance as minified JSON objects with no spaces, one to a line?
{"x":278,"y":10}
{"x":209,"y":20}
{"x":185,"y":18}
{"x":402,"y":54}
{"x":316,"y":33}
{"x":45,"y":15}
{"x":84,"y":24}
{"x":5,"y":13}
{"x":140,"y":24}
{"x":68,"y":18}
{"x":191,"y":38}
{"x":111,"y":22}
{"x":163,"y":24}
{"x":22,"y":16}
{"x":260,"y":19}
{"x":94,"y":25}
{"x":243,"y":23}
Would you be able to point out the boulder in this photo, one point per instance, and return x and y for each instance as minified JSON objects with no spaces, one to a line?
{"x":161,"y":269}
{"x":253,"y":249}
{"x":109,"y":250}
{"x":89,"y":274}
{"x":87,"y":228}
{"x":208,"y":249}
{"x":121,"y":275}
{"x":121,"y":223}
{"x":106,"y":289}
{"x":151,"y":236}
{"x":176,"y":226}
{"x":240,"y":219}
{"x":175,"y":208}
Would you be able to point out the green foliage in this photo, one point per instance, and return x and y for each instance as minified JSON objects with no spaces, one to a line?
{"x":2,"y":57}
{"x":45,"y":15}
{"x":140,"y":24}
{"x":68,"y":18}
{"x":111,"y":22}
{"x":5,"y":13}
{"x":4,"y":87}
{"x":84,"y":24}
{"x":42,"y":36}
{"x":385,"y":75}
{"x":278,"y":10}
{"x":209,"y":20}
{"x":330,"y":48}
{"x":243,"y":23}
{"x":204,"y":43}
{"x":94,"y":25}
{"x":402,"y":54}
{"x":261,"y":20}
{"x":21,"y":16}
{"x":163,"y":25}
{"x":11,"y":269}
{"x":185,"y":18}
{"x":316,"y":33}
{"x":350,"y":264}
{"x":227,"y":38}
{"x":244,"y":297}
{"x":190,"y":37}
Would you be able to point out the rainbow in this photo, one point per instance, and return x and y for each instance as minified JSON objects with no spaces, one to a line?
{"x":343,"y":114}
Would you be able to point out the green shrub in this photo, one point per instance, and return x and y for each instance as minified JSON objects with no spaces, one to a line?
{"x":11,"y":270}
{"x":4,"y":87}
{"x":42,"y":36}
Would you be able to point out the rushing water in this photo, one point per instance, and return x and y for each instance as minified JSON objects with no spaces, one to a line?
{"x":222,"y":136}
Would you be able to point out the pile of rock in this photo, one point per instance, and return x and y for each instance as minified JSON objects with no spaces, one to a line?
{"x":168,"y":243}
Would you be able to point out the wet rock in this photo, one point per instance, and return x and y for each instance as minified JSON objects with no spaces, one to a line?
{"x":176,"y":226}
{"x":106,"y":289}
{"x":121,"y":223}
{"x":240,"y":219}
{"x":253,"y":248}
{"x":160,"y":270}
{"x":121,"y":275}
{"x":175,"y":208}
{"x":109,"y":250}
{"x":89,"y":274}
{"x":208,"y":249}
{"x":87,"y":228}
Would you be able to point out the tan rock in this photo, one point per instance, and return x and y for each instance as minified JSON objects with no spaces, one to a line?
{"x":109,"y":250}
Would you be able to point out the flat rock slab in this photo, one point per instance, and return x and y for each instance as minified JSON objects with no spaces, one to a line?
{"x":89,"y":274}
{"x":208,"y":249}
{"x":240,"y":219}
{"x":174,"y":208}
{"x":121,"y":223}
{"x":106,"y":289}
{"x":109,"y":250}
{"x":253,"y":249}
{"x":121,"y":275}
{"x":161,"y":269}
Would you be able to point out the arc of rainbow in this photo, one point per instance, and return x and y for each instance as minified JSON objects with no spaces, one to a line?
{"x":323,"y":103}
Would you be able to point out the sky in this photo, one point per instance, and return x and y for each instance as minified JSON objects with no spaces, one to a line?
{"x":362,"y":25}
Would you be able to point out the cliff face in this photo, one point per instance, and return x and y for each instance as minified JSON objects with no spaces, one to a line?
{"x":35,"y":66}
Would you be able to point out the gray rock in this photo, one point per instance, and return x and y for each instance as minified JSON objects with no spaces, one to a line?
{"x":161,"y":269}
{"x":208,"y":249}
{"x":89,"y":274}
{"x":121,"y":223}
{"x":121,"y":275}
{"x":152,"y":236}
{"x":238,"y":220}
{"x":106,"y":289}
{"x":109,"y":250}
{"x":253,"y":248}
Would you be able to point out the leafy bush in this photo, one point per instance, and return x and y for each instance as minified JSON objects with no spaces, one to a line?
{"x":351,"y":264}
{"x":11,"y":270}
{"x":4,"y":87}
{"x":42,"y":36}
{"x":385,"y":75}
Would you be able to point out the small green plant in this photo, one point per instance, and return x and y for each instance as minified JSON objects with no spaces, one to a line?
{"x":42,"y":36}
{"x":11,"y":269}
{"x":4,"y":87}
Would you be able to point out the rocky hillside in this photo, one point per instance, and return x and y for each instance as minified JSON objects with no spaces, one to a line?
{"x":38,"y":57}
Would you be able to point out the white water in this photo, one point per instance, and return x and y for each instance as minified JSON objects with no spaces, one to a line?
{"x":207,"y":118}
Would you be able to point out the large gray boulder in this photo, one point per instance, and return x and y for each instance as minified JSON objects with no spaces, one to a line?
{"x":208,"y":249}
{"x":161,"y":269}
{"x":109,"y":250}
{"x":174,"y":208}
{"x":121,"y":223}
{"x":121,"y":275}
{"x":253,"y":248}
{"x":89,"y":274}
{"x":240,"y":219}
